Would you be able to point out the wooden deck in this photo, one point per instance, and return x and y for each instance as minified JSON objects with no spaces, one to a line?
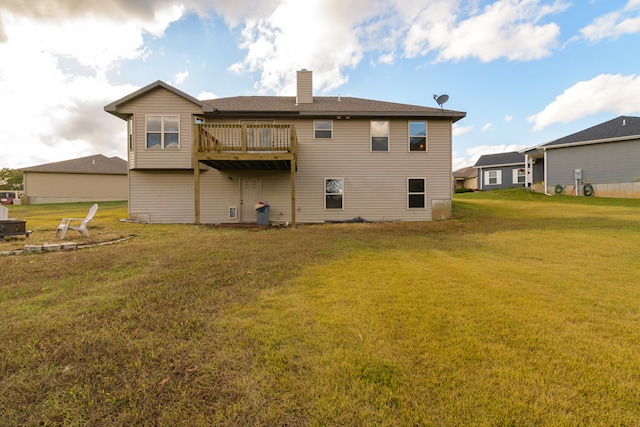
{"x":229,"y":147}
{"x":246,"y":146}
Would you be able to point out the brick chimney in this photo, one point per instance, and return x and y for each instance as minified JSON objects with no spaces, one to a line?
{"x":305,"y":87}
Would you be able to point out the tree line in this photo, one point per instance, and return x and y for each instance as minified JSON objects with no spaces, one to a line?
{"x":11,"y":179}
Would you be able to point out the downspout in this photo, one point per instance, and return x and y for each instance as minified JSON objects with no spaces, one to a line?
{"x":545,"y":173}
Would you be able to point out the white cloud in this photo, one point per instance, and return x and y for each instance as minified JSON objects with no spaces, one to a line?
{"x":486,"y":127}
{"x":55,"y":70}
{"x":504,"y":29}
{"x":605,"y":93}
{"x":277,"y":44}
{"x":387,"y":58}
{"x":615,"y":24}
{"x":204,"y":96}
{"x":181,"y":77}
{"x":460,"y":130}
{"x":280,"y":43}
{"x":508,"y":118}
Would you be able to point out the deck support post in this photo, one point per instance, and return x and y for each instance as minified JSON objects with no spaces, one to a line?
{"x":196,"y":177}
{"x":293,"y":191}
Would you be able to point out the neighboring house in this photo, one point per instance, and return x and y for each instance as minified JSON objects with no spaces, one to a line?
{"x":603,"y":160}
{"x":505,"y":170}
{"x":465,"y":178}
{"x":311,"y":159}
{"x":87,"y":179}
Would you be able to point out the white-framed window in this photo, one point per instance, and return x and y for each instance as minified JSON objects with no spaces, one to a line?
{"x":130,"y":131}
{"x":493,"y":177}
{"x":233,"y":212}
{"x":416,"y":193}
{"x":333,"y":193}
{"x":379,"y":135}
{"x":519,"y":176}
{"x":163,"y":132}
{"x":323,"y":129}
{"x":418,"y":136}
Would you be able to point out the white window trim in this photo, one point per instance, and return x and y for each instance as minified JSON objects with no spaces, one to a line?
{"x":426,"y":139}
{"x":424,"y":194}
{"x":131,"y":140}
{"x":388,"y":137}
{"x":498,"y":177}
{"x":233,"y":212}
{"x":330,"y":130}
{"x":162,"y":131}
{"x":516,"y":174}
{"x":325,"y":194}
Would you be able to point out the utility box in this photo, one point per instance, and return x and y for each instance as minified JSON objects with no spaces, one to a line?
{"x":578,"y":174}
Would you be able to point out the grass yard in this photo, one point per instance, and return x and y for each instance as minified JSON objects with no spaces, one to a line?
{"x":522,"y":310}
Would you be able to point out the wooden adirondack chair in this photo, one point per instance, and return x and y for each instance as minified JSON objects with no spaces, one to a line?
{"x":65,"y":224}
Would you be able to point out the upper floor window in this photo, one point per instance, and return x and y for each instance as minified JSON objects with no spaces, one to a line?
{"x":163,"y":131}
{"x":333,"y":193}
{"x":380,"y":136}
{"x":417,"y":136}
{"x":323,"y":129}
{"x":416,"y":192}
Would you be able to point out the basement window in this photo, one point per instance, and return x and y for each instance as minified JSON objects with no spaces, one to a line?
{"x":416,"y":193}
{"x":333,"y":193}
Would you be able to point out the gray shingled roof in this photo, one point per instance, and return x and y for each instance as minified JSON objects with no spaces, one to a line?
{"x":114,"y":107}
{"x":324,"y":105}
{"x":468,"y":172}
{"x":97,"y":164}
{"x":500,"y":159}
{"x":620,"y":127}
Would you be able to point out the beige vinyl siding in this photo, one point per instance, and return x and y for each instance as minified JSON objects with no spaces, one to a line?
{"x":217,"y":194}
{"x":74,"y":187}
{"x":161,"y":196}
{"x":375,"y":183}
{"x":161,"y":102}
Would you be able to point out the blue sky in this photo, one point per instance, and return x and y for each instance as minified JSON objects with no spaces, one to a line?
{"x":525,"y":71}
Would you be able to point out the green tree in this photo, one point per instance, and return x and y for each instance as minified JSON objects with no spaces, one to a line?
{"x":10,"y":179}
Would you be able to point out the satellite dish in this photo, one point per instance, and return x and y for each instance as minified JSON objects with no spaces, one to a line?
{"x":441,"y":100}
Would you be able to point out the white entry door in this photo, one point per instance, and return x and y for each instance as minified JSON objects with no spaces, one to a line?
{"x":248,"y":199}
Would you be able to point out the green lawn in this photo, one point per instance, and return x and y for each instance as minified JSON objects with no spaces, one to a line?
{"x":523,"y":309}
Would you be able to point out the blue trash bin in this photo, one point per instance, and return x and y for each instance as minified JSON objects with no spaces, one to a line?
{"x":263,"y":215}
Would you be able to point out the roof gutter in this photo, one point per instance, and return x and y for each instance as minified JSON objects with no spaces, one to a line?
{"x":594,"y":141}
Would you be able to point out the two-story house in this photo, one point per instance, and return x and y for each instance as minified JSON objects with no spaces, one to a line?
{"x":311,"y":159}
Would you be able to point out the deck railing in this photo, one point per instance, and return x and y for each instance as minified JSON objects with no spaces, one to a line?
{"x":246,"y":138}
